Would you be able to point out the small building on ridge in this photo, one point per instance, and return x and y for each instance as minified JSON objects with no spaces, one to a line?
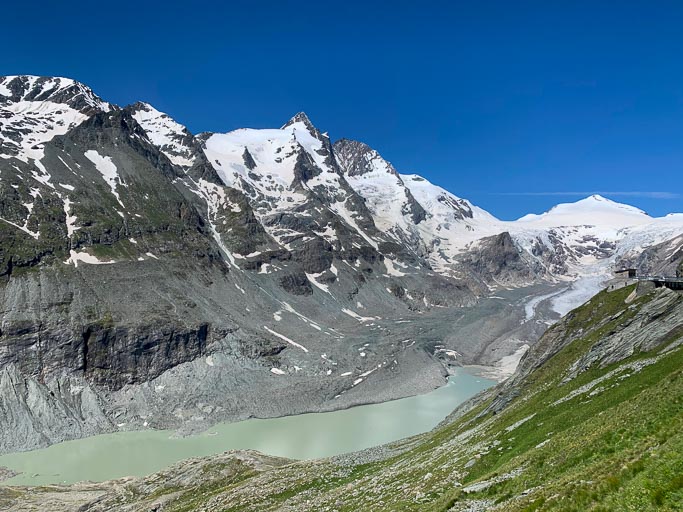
{"x":626,"y":273}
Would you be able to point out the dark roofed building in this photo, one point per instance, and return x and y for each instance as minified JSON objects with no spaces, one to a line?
{"x":626,"y":273}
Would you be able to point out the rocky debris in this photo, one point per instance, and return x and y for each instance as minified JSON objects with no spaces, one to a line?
{"x":198,"y":473}
{"x":159,"y":490}
{"x":6,"y":473}
{"x":230,"y":379}
{"x":36,"y":414}
{"x":296,"y":283}
{"x":472,"y":506}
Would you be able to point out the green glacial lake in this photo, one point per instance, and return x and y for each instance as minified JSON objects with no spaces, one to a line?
{"x":305,"y":436}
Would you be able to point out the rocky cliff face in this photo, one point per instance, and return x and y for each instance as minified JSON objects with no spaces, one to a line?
{"x":497,"y":259}
{"x":137,"y":257}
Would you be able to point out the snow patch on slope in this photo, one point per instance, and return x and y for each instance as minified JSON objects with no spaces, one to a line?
{"x":70,"y":219}
{"x":45,"y":119}
{"x":107,"y":169}
{"x":85,"y":257}
{"x":285,"y":338}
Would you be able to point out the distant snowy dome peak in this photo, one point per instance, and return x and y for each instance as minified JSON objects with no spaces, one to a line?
{"x":600,"y":202}
{"x":592,"y":210}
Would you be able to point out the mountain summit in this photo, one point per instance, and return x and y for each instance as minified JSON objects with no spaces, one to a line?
{"x":40,"y":89}
{"x":36,"y":109}
{"x":299,"y":117}
{"x":592,"y":210}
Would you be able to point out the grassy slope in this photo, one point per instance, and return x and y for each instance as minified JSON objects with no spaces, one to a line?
{"x":617,"y":446}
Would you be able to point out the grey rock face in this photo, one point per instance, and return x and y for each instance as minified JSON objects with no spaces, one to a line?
{"x":249,"y":161}
{"x":497,"y":259}
{"x":296,"y":283}
{"x":36,"y":414}
{"x":357,"y":158}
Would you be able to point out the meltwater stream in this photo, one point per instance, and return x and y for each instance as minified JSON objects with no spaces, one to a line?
{"x":304,"y":436}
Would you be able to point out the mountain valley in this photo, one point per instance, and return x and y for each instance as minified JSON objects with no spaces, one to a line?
{"x":153,"y":278}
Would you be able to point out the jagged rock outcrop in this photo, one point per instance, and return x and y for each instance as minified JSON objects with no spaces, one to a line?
{"x":497,"y":259}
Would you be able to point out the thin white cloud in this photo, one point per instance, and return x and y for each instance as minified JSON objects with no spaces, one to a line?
{"x":649,"y":194}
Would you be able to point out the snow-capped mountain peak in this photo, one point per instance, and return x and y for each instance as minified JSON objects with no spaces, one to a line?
{"x":172,"y":138}
{"x":592,"y":210}
{"x":38,"y":89}
{"x":597,"y":202}
{"x":273,"y":153}
{"x":304,"y":191}
{"x":300,"y":117}
{"x":34,"y":109}
{"x":316,"y":144}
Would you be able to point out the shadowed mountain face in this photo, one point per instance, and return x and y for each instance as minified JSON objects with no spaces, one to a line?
{"x":269,"y":268}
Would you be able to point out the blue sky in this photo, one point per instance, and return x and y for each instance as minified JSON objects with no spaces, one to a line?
{"x":514,"y":105}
